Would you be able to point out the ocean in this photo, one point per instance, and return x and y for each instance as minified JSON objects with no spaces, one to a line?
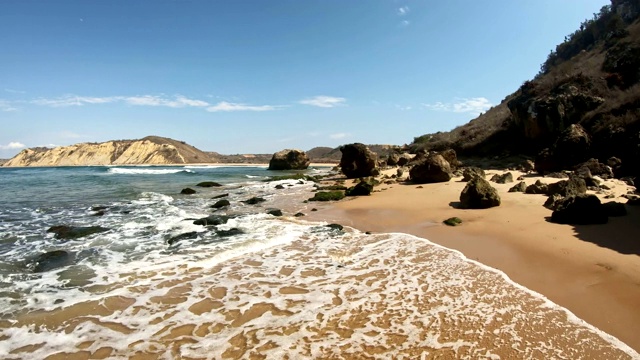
{"x":152,"y":284}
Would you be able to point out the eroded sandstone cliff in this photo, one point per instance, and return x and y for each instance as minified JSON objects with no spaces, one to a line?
{"x":151,"y":150}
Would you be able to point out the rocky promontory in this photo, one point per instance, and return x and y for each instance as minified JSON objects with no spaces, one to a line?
{"x":151,"y":150}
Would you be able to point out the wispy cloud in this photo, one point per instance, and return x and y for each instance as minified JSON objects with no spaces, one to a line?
{"x":405,"y":23}
{"x":324,"y":101}
{"x":7,"y":106}
{"x":224,"y":106}
{"x":14,"y":145}
{"x":403,"y":10}
{"x":473,"y":105}
{"x":404,"y":108}
{"x":74,"y":100}
{"x":338,"y":136}
{"x":14,"y":91}
{"x":178,"y":102}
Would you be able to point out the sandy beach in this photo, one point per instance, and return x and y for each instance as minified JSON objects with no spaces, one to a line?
{"x":592,"y":270}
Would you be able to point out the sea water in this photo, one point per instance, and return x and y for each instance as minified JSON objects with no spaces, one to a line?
{"x":275,"y":288}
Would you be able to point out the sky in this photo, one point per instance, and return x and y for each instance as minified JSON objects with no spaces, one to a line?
{"x":259,"y":76}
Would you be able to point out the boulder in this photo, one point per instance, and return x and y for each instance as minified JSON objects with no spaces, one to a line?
{"x":52,"y":260}
{"x":433,"y":169}
{"x":289,"y":159}
{"x":574,"y":186}
{"x":596,"y":168}
{"x":553,"y":201}
{"x":274,"y":212}
{"x":209,"y":184}
{"x":470,"y":172}
{"x":185,"y":236}
{"x":527,"y":166}
{"x":580,"y":210}
{"x":212,"y":220}
{"x":327,"y":196}
{"x":404,"y":159}
{"x":220,"y":204}
{"x":453,"y":221}
{"x":363,"y":188}
{"x":187,"y":191}
{"x":451,"y":157}
{"x":538,"y":188}
{"x":254,"y":200}
{"x":479,"y":194}
{"x":569,"y":149}
{"x":358,"y":161}
{"x":519,"y":187}
{"x":584,"y":173}
{"x":392,"y":159}
{"x":75,"y":232}
{"x":502,"y":179}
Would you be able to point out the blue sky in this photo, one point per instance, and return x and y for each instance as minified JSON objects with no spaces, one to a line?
{"x":260,"y":76}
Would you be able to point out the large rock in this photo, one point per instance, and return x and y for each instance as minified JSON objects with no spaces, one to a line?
{"x":538,"y":188}
{"x":479,"y":194}
{"x":52,"y":260}
{"x":363,"y":188}
{"x":572,"y":187}
{"x":502,"y":179}
{"x":451,"y":157}
{"x":580,"y":210}
{"x":433,"y":169}
{"x":358,"y":161}
{"x":569,"y":149}
{"x":470,"y":172}
{"x":75,"y":232}
{"x":289,"y":159}
{"x":519,"y":187}
{"x":596,"y":168}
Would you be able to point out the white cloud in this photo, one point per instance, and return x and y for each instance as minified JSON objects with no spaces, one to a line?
{"x":13,"y":91}
{"x":404,"y":108}
{"x":404,"y":10}
{"x":152,"y":100}
{"x":227,"y":107}
{"x":405,"y":23}
{"x":7,"y":106}
{"x":73,"y":100}
{"x":338,"y":136}
{"x":14,"y":145}
{"x":473,"y":106}
{"x":324,"y":101}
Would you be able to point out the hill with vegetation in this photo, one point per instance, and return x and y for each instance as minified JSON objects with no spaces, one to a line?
{"x":590,"y":80}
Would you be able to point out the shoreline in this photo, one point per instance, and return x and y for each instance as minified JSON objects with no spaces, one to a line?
{"x":171,"y":165}
{"x":598,"y":283}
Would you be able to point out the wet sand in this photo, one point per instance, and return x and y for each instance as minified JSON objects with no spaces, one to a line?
{"x":593,"y":270}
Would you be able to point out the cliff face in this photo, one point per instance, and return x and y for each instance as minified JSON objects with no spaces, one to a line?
{"x":151,"y":150}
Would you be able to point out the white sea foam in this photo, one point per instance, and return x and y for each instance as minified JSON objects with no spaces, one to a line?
{"x":138,"y":171}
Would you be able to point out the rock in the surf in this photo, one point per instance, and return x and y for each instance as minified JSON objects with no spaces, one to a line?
{"x":254,"y":200}
{"x":289,"y":159}
{"x":187,"y":191}
{"x":75,"y":232}
{"x":207,"y":184}
{"x":212,"y":220}
{"x":220,"y":204}
{"x":185,"y":236}
{"x":52,"y":260}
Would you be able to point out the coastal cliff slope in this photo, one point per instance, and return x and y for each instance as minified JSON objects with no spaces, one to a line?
{"x":151,"y":150}
{"x":592,"y":79}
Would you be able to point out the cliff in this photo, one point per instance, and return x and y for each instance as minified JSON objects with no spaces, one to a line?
{"x":591,"y":80}
{"x":151,"y":150}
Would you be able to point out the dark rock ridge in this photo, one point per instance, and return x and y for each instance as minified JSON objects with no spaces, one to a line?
{"x":479,"y":194}
{"x":75,"y":232}
{"x":208,"y":184}
{"x":358,"y":161}
{"x":289,"y":159}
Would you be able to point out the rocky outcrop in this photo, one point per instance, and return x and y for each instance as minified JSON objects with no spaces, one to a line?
{"x":542,"y":117}
{"x":502,"y":179}
{"x":479,"y":194}
{"x":152,"y":150}
{"x":432,"y":169}
{"x":75,"y":232}
{"x":358,"y":161}
{"x":289,"y":159}
{"x":580,"y":210}
{"x":363,"y":188}
{"x":572,"y":187}
{"x":569,"y":149}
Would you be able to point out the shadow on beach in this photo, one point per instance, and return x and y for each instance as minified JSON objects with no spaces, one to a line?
{"x":619,"y":234}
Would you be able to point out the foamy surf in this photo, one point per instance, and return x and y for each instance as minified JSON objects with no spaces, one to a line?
{"x":301,"y":290}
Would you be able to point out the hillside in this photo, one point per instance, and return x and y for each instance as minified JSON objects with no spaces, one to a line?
{"x":591,"y":79}
{"x":153,"y":150}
